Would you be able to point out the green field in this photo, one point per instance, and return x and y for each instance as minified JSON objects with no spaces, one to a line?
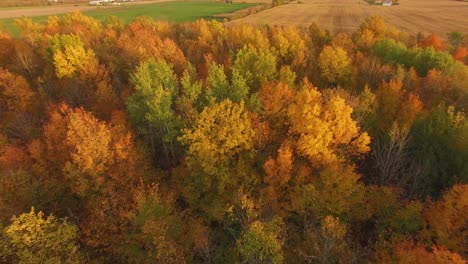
{"x":170,"y":11}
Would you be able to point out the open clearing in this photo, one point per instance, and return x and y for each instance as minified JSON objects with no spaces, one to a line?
{"x":413,"y":16}
{"x":162,"y":10}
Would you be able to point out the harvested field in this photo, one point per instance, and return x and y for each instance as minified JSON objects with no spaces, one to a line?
{"x":413,"y":16}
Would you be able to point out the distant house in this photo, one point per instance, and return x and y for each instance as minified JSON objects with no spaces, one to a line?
{"x":101,"y":2}
{"x":387,"y":2}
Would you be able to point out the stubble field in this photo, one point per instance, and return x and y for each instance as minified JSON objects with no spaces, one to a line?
{"x":413,"y":16}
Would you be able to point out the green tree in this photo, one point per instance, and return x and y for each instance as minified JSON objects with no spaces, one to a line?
{"x":439,"y":148}
{"x":255,"y":66}
{"x":150,"y":108}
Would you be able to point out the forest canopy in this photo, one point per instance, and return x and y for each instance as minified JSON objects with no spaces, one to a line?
{"x":152,"y":142}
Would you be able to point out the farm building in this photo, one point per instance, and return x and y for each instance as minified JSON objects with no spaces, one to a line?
{"x":101,"y":2}
{"x":387,"y":2}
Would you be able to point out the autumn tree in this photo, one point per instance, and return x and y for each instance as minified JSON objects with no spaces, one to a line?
{"x":144,"y":38}
{"x":326,"y":243}
{"x":19,"y":187}
{"x":461,"y":54}
{"x":240,"y":35}
{"x":17,"y":98}
{"x":69,"y":55}
{"x":395,"y":105}
{"x":345,"y":42}
{"x":262,"y":242}
{"x":102,"y":160}
{"x":322,"y":126}
{"x":217,"y":143}
{"x":432,"y":41}
{"x":160,"y":233}
{"x":335,"y":191}
{"x":446,"y":219}
{"x":334,"y":65}
{"x":32,"y":238}
{"x":290,"y":45}
{"x":275,"y":99}
{"x":376,"y":25}
{"x":407,"y":251}
{"x":371,"y":31}
{"x":88,"y":160}
{"x":200,"y":38}
{"x":278,"y":173}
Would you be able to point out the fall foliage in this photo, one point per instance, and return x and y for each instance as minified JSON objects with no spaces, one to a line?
{"x":152,"y":142}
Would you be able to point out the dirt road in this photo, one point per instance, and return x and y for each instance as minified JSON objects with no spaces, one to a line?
{"x":56,"y":10}
{"x":440,"y":16}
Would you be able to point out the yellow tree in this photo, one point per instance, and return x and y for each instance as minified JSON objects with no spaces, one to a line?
{"x":324,"y":128}
{"x":334,"y":64}
{"x":70,"y":56}
{"x":240,"y":35}
{"x":376,"y":25}
{"x":90,"y":142}
{"x":33,"y":238}
{"x":290,"y":45}
{"x":217,"y":143}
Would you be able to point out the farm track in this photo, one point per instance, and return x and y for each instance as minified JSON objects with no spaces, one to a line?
{"x":413,"y":16}
{"x":56,"y":10}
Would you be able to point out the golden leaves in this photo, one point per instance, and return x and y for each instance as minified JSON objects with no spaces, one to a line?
{"x":220,"y":132}
{"x":324,"y":127}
